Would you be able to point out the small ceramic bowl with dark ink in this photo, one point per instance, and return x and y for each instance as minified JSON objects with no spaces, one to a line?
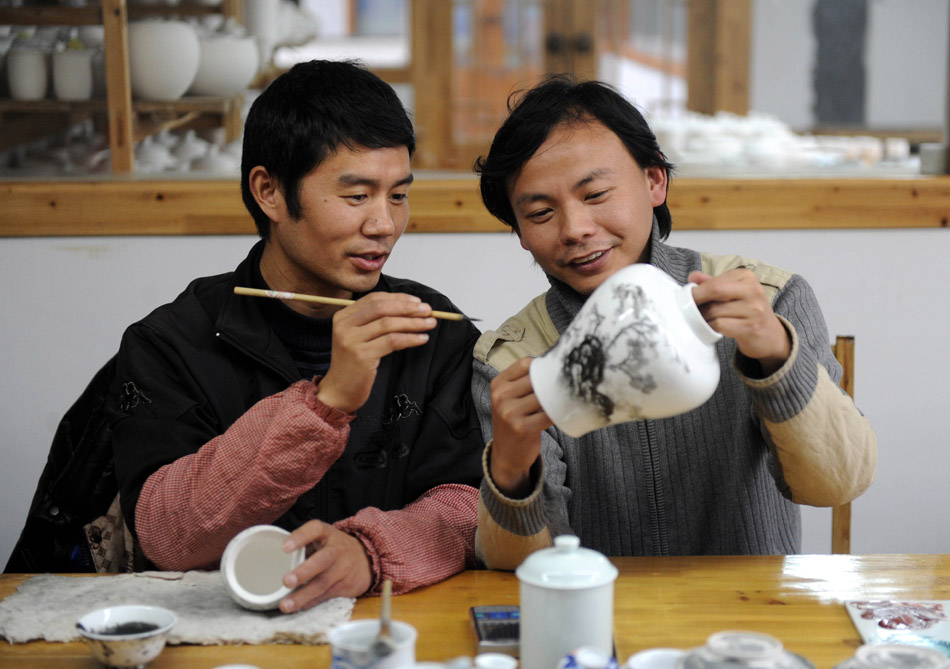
{"x":131,"y":635}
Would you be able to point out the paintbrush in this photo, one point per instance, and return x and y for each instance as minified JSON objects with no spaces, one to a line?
{"x":281,"y":295}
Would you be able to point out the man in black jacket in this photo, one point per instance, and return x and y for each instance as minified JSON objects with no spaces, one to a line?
{"x":352,"y":427}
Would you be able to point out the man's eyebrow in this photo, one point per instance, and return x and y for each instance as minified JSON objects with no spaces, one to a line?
{"x":350,"y":179}
{"x":593,"y":175}
{"x":528,"y":198}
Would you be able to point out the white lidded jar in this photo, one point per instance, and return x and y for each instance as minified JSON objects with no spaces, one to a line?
{"x":639,"y":348}
{"x":567,"y":601}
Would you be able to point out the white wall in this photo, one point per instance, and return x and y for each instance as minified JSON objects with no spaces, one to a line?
{"x":906,"y":62}
{"x":67,"y":301}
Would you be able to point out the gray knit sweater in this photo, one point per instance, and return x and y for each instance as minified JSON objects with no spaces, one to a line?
{"x":718,"y":480}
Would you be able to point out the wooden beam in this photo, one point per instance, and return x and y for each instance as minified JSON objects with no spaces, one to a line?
{"x":719,"y":41}
{"x":132,"y":206}
{"x":118,"y":85}
{"x":431,"y":73}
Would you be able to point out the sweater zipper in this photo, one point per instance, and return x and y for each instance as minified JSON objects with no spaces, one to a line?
{"x":658,"y":530}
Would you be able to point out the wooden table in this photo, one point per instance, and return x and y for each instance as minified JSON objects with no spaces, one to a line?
{"x":674,"y":601}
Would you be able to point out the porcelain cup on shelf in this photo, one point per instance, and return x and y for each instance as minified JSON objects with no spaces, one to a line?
{"x":638,"y":348}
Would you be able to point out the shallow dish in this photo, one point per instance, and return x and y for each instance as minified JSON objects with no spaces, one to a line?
{"x":131,"y":635}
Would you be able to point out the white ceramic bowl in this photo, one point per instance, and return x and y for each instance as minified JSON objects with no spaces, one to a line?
{"x":163,"y":58}
{"x":655,"y":658}
{"x":126,"y":636}
{"x":254,"y":564}
{"x":227,"y":65}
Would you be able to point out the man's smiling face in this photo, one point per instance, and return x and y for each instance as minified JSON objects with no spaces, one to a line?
{"x":584,"y":206}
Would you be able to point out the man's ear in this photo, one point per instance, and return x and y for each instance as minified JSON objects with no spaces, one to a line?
{"x":266,"y":192}
{"x":657,"y":183}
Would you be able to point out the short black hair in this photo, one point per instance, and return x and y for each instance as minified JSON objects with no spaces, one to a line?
{"x":306,"y":114}
{"x":561,"y":99}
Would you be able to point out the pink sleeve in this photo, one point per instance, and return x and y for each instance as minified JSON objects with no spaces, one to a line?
{"x":426,"y":542}
{"x":190,"y":509}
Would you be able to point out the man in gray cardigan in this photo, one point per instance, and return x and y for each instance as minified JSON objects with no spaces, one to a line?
{"x":578,"y":175}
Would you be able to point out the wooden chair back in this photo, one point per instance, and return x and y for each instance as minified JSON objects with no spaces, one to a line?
{"x":843,"y":349}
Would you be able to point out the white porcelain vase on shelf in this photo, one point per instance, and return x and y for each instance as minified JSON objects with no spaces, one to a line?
{"x":28,"y":72}
{"x":72,"y":74}
{"x":227,"y":65}
{"x":639,"y":348}
{"x":163,"y":58}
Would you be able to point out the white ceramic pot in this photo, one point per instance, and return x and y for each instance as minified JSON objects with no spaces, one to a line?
{"x":163,"y":58}
{"x":254,"y":564}
{"x":190,"y":147}
{"x":27,"y":72}
{"x":226,"y":66}
{"x":567,"y":602}
{"x":638,"y":348}
{"x":739,"y":649}
{"x":151,"y":157}
{"x":216,"y":161}
{"x":895,"y":656}
{"x":72,"y":74}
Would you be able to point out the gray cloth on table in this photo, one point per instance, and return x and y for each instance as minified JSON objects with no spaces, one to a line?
{"x":47,"y":607}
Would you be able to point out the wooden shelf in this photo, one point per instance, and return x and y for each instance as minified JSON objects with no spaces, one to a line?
{"x":27,"y":120}
{"x":91,"y":14}
{"x":51,"y":15}
{"x":128,"y":206}
{"x":199,"y":104}
{"x":128,"y":122}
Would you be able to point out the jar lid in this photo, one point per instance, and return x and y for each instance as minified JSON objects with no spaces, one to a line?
{"x":566,"y":566}
{"x":736,"y":649}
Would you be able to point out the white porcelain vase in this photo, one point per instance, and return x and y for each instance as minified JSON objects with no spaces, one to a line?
{"x":639,"y":348}
{"x":28,"y":72}
{"x":567,"y":601}
{"x":163,"y":58}
{"x":72,"y":74}
{"x":227,"y":65}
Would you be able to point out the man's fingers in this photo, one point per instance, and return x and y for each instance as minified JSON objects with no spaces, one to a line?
{"x":313,"y":531}
{"x":376,"y":306}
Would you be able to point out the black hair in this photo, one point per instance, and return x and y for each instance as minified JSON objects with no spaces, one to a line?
{"x":306,"y":114}
{"x":556,"y":100}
